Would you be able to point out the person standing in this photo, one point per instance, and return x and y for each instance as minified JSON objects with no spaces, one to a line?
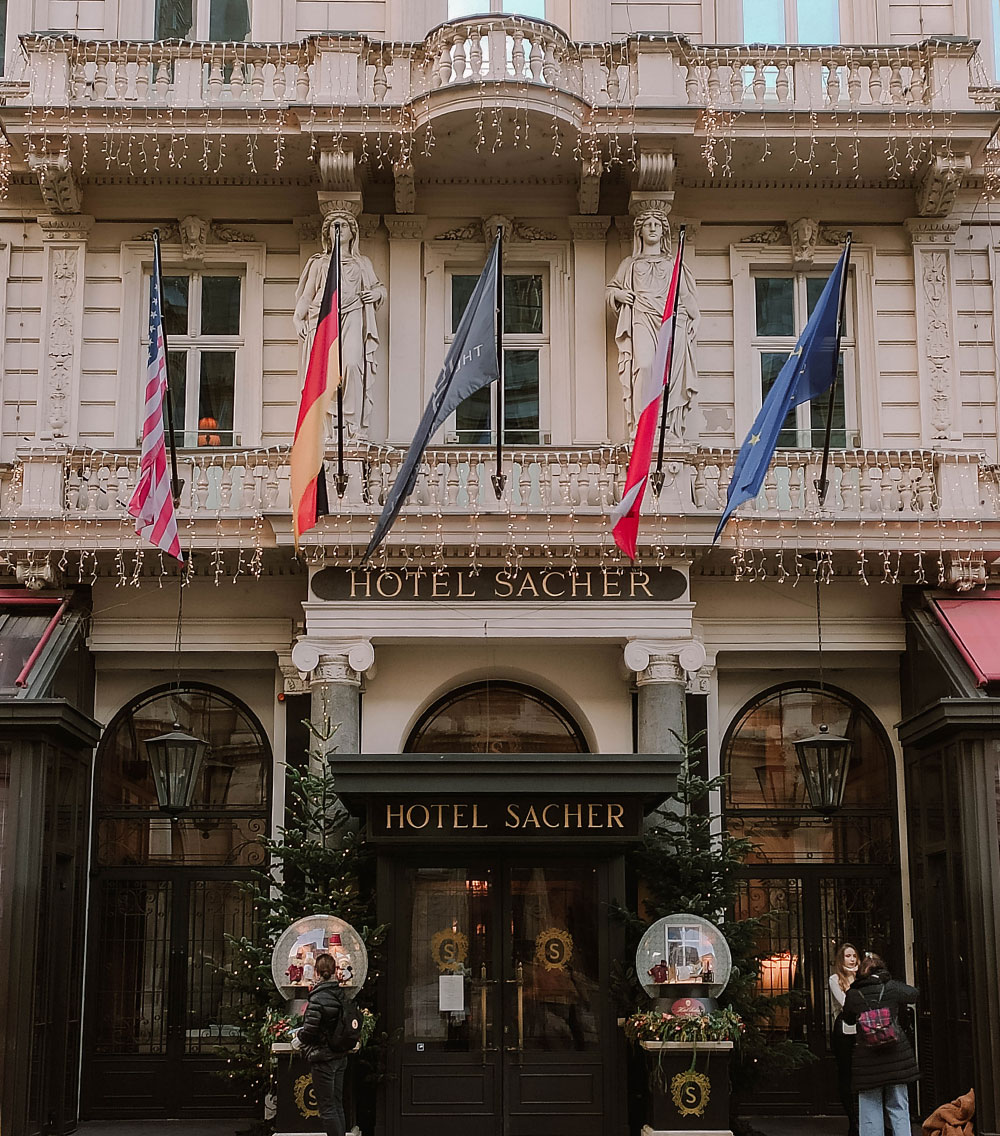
{"x":881,"y":1071}
{"x":845,"y":969}
{"x":324,"y":1011}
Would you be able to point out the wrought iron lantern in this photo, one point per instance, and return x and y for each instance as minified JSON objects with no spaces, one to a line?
{"x":176,"y":760}
{"x":824,"y":759}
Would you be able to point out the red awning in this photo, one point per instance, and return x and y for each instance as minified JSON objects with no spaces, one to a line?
{"x":974,"y":627}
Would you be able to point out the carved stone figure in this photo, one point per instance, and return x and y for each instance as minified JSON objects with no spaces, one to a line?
{"x":193,"y":233}
{"x":637,"y":294}
{"x":361,"y":294}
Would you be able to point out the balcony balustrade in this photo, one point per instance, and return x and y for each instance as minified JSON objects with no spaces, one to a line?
{"x":352,"y":69}
{"x":866,"y":486}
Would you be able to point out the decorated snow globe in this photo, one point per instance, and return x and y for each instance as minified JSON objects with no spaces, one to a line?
{"x":293,"y":960}
{"x":683,"y":962}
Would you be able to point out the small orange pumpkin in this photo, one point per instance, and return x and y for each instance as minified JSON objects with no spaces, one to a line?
{"x":208,"y":439}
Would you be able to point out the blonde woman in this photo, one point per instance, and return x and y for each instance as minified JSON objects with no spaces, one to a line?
{"x":845,"y":970}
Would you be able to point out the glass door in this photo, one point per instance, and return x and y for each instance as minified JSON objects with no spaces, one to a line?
{"x":505,"y":1028}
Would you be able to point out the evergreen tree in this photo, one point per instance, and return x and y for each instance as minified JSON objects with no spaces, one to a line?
{"x":689,"y":862}
{"x":318,"y":865}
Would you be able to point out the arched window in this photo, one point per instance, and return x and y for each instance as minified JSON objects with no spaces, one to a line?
{"x":766,"y":796}
{"x":228,"y":810}
{"x":496,"y":717}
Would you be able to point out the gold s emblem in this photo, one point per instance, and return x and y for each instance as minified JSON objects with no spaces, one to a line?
{"x":690,"y":1092}
{"x":305,"y":1096}
{"x":554,"y":948}
{"x":449,"y":949}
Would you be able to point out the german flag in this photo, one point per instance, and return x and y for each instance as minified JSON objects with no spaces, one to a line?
{"x":308,"y":478}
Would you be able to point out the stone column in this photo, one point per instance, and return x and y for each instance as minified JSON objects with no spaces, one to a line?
{"x":406,"y":235}
{"x":662,"y":669}
{"x":336,"y":669}
{"x":937,"y":350}
{"x":589,"y":390}
{"x":64,"y":240}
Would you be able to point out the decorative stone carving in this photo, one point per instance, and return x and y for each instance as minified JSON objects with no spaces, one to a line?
{"x":193,"y":234}
{"x":336,"y":171}
{"x":340,"y":202}
{"x":653,"y":661}
{"x":361,"y":293}
{"x":61,"y":339}
{"x":831,"y":236}
{"x":57,"y":180}
{"x":194,"y":237}
{"x":66,"y":227}
{"x":368,"y":224}
{"x":337,"y":662}
{"x":775,"y":235}
{"x":293,"y":681}
{"x":590,"y":185}
{"x":514,"y":230}
{"x":229,"y":236}
{"x":656,"y":171}
{"x":405,"y":190}
{"x":589,"y":228}
{"x":307,"y":229}
{"x":409,"y":228}
{"x":637,"y":295}
{"x":804,"y":234}
{"x":940,"y":184}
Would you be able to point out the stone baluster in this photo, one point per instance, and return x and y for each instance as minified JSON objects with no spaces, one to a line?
{"x":895,"y":82}
{"x":101,"y":80}
{"x":476,"y":55}
{"x":256,"y":81}
{"x":215,"y":79}
{"x":143,"y":75}
{"x":550,"y":66}
{"x":537,"y":57}
{"x":517,"y":53}
{"x":458,"y":56}
{"x":875,"y":81}
{"x":162,"y":81}
{"x":302,"y":81}
{"x":759,"y":84}
{"x":735,"y":84}
{"x":444,"y":66}
{"x":853,"y":81}
{"x":781,"y":82}
{"x":280,"y":82}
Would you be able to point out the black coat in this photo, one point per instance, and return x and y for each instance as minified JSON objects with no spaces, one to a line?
{"x":892,"y":1064}
{"x":323,"y":1011}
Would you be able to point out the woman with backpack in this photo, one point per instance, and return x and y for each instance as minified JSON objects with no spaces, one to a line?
{"x":324,"y":1032}
{"x":884,"y":1063}
{"x":845,"y":970}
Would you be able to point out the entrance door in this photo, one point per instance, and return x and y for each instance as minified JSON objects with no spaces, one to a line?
{"x":505,"y":1023}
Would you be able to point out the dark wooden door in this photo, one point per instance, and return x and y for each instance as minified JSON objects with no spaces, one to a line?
{"x":162,"y":997}
{"x":505,"y":1027}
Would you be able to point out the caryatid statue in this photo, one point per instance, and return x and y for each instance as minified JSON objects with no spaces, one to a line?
{"x":637,"y":294}
{"x":361,"y":293}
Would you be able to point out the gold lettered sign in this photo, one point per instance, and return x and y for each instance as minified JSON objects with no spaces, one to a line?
{"x":449,"y":949}
{"x":305,"y":1096}
{"x":690,"y":1092}
{"x":554,"y":948}
{"x":534,"y":584}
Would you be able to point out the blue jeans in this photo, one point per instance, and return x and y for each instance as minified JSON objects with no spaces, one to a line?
{"x":896,"y":1102}
{"x":328,"y":1085}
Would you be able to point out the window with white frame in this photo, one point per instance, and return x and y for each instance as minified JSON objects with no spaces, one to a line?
{"x":783,"y":303}
{"x":526,"y":348}
{"x":791,"y":21}
{"x":202,"y":323}
{"x":224,"y":21}
{"x":457,"y":9}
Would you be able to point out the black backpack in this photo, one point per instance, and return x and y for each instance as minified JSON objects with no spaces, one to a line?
{"x":343,"y":1036}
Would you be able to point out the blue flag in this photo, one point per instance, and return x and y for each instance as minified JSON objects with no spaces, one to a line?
{"x":809,"y":371}
{"x":470,"y":365}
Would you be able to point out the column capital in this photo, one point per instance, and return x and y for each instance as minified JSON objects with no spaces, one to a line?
{"x":655,"y":661}
{"x":932,"y":230}
{"x":65,"y":226}
{"x":589,"y":228}
{"x":343,"y":661}
{"x":408,"y":227}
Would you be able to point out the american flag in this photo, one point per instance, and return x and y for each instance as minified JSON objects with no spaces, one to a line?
{"x":152,"y":503}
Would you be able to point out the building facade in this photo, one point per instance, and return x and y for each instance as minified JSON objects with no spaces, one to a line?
{"x":507,"y":690}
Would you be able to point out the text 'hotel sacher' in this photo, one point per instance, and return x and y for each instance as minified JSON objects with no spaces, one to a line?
{"x":508,"y":687}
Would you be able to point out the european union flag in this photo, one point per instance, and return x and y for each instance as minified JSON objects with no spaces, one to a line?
{"x":809,"y":371}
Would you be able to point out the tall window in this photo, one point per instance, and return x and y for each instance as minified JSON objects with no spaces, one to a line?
{"x":459,"y":8}
{"x":791,"y":21}
{"x":526,"y":341}
{"x":221,"y":20}
{"x":782,"y":305}
{"x":202,"y":320}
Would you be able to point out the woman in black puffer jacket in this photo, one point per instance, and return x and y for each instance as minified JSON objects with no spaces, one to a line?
{"x":880,"y":1074}
{"x":325,"y":1009}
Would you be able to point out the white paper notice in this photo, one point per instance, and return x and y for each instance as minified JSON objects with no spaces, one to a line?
{"x":451,"y":992}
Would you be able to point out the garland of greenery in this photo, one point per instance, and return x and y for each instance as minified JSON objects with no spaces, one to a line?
{"x":650,"y":1025}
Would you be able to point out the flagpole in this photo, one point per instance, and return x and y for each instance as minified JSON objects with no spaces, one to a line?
{"x":822,"y":484}
{"x":342,"y":478}
{"x":175,"y":482}
{"x":499,"y":478}
{"x":656,"y":479}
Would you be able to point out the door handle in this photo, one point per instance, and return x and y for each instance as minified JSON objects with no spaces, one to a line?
{"x":519,"y":983}
{"x":483,"y":985}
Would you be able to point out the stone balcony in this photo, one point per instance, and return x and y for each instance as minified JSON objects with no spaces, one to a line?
{"x":916,"y":498}
{"x":339,"y":88}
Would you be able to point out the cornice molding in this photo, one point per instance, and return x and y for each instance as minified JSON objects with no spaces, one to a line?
{"x":589,"y":228}
{"x":407,"y":228}
{"x":65,"y":227}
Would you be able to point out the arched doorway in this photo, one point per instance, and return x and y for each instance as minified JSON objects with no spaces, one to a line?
{"x":818,"y":882}
{"x":166,"y":897}
{"x":496,"y":717}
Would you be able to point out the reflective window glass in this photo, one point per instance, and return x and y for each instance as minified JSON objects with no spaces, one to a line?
{"x":764,"y":21}
{"x":220,"y":305}
{"x":216,"y":393}
{"x":229,"y":20}
{"x":174,"y":19}
{"x":176,"y":290}
{"x":775,"y":305}
{"x":818,"y":21}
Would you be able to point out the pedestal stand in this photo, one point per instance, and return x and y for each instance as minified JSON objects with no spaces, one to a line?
{"x":685,"y":1099}
{"x":296,"y":1112}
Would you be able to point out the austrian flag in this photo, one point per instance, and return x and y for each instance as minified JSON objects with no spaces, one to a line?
{"x":308,"y":477}
{"x":625,"y":515}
